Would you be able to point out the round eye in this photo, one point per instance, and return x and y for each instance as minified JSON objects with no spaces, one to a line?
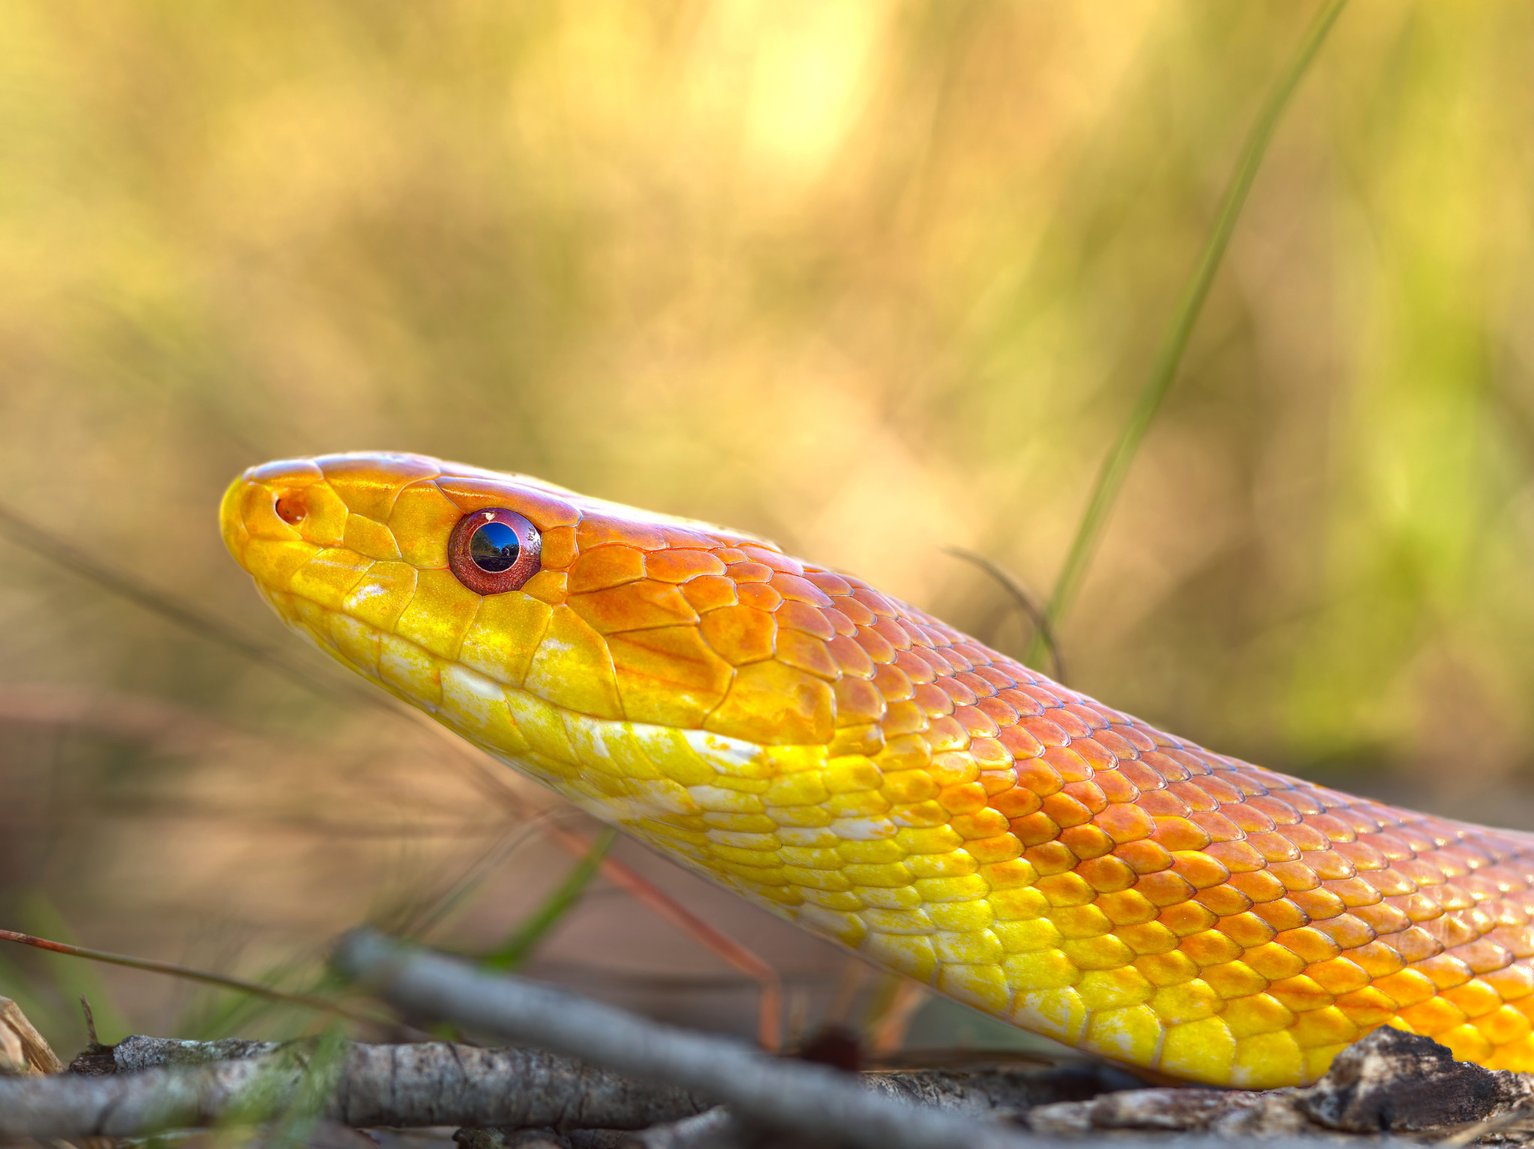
{"x":493,"y":551}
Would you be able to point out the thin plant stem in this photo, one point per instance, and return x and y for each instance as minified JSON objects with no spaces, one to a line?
{"x":1110,"y":478}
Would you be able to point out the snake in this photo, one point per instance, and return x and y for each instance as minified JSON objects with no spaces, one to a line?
{"x":885,"y":781}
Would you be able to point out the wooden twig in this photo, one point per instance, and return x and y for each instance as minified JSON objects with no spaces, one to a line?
{"x":796,"y":1099}
{"x":166,"y":1084}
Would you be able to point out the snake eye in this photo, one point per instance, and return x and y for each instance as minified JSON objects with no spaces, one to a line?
{"x":493,"y":551}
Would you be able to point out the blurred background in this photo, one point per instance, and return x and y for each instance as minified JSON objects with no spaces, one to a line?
{"x":870,"y":279}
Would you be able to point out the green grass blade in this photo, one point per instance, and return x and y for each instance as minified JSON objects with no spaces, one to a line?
{"x":1110,"y":478}
{"x":515,"y":950}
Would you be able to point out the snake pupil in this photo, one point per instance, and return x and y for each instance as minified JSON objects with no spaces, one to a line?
{"x":494,"y":547}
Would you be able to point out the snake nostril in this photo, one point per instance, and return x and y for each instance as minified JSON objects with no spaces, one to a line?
{"x":291,"y":507}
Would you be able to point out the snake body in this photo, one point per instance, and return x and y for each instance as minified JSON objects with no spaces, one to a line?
{"x":884,"y":780}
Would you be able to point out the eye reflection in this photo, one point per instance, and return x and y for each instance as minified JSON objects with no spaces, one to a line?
{"x":494,"y":547}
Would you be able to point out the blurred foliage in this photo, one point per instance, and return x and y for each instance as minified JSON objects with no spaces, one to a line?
{"x":872,"y":279}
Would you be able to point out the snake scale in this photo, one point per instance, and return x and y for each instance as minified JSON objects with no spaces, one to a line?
{"x":888,"y":782}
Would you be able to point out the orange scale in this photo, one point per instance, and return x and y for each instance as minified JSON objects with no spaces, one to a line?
{"x":980,"y":687}
{"x":1020,"y":702}
{"x":1126,"y":824}
{"x":945,"y":733}
{"x":1171,"y":771}
{"x":962,"y":695}
{"x":913,"y":667}
{"x":1357,"y":892}
{"x":1259,"y":885}
{"x":1305,"y":836}
{"x":1282,"y":914}
{"x":1211,"y":948}
{"x":1036,"y":830}
{"x":1273,"y":846}
{"x":1024,"y":747}
{"x":1249,"y":820}
{"x":1378,"y":959}
{"x":1367,"y":1007}
{"x":1382,"y":919}
{"x":997,"y":781}
{"x":1089,"y":794}
{"x":1505,"y":1025}
{"x":595,"y":530}
{"x":1484,"y":956}
{"x":1179,"y":834}
{"x":1475,"y":997}
{"x":1247,"y":930}
{"x":1333,"y":827}
{"x":1016,"y":802}
{"x":634,"y":606}
{"x":1348,"y":931}
{"x":1305,"y":803}
{"x":976,"y":722}
{"x":1071,"y":723}
{"x":998,"y":711}
{"x":1432,"y":1017}
{"x":1216,"y":825}
{"x":1219,"y":790}
{"x":1043,"y":730}
{"x":857,"y":702}
{"x":680,"y":564}
{"x":1194,"y":794}
{"x":988,"y":751}
{"x":1363,"y":856}
{"x":1236,"y":857}
{"x":993,"y":850}
{"x":796,"y":588}
{"x":896,"y":635}
{"x":1199,"y":868}
{"x":1136,"y":735}
{"x":843,"y":625}
{"x":968,"y":798}
{"x":1276,"y":808}
{"x":1513,"y":982}
{"x":1142,"y":855}
{"x":1186,"y":918}
{"x":1422,"y":906}
{"x":829,"y":581}
{"x":1327,"y":865}
{"x":1416,"y":945}
{"x":1116,"y":788}
{"x":1145,"y":780}
{"x":1223,"y":899}
{"x":758,"y":595}
{"x":895,"y":687}
{"x":1165,"y":888}
{"x":1036,"y":774}
{"x":1339,"y":976}
{"x":750,"y":571}
{"x":1086,"y":841}
{"x":709,"y":592}
{"x":1295,"y":875}
{"x":1122,"y":750}
{"x":1319,"y":903}
{"x":740,"y":634}
{"x":857,"y":613}
{"x":1104,"y":873}
{"x":998,"y":679}
{"x":808,"y":653}
{"x":1066,"y":810}
{"x":607,"y":566}
{"x":1162,"y":804}
{"x":1301,"y":993}
{"x":1309,"y":943}
{"x":904,"y":717}
{"x":1049,"y":857}
{"x":930,"y":698}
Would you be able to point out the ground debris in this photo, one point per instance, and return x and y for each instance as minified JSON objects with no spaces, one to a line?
{"x":1390,"y":1082}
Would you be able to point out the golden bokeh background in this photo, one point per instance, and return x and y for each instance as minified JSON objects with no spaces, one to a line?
{"x":873,"y":279}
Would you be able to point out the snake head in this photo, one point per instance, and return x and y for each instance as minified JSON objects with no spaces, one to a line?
{"x":537,"y":621}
